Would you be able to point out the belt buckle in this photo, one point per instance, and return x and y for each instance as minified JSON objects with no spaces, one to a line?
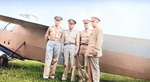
{"x":70,"y":43}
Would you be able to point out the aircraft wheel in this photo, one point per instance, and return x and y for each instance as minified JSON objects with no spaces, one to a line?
{"x":3,"y":60}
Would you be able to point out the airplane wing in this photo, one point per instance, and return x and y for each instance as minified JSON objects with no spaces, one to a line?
{"x":31,"y":33}
{"x":21,"y":22}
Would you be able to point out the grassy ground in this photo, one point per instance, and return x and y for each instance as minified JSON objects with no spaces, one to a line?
{"x":32,"y":71}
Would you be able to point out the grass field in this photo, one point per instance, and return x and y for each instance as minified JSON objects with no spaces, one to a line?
{"x":32,"y":71}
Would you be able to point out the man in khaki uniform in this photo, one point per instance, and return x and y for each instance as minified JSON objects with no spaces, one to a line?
{"x":53,"y":49}
{"x":84,"y":39}
{"x":94,"y":51}
{"x":70,"y":39}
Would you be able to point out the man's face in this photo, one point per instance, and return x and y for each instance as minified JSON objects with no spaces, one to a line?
{"x":57,"y":22}
{"x":86,"y":25}
{"x":94,"y":23}
{"x":71,"y":26}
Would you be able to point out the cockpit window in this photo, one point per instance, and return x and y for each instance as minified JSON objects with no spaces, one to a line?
{"x":6,"y":26}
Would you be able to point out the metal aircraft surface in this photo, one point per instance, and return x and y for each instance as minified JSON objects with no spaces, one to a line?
{"x":121,"y":55}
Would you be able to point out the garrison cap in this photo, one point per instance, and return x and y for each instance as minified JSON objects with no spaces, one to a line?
{"x":58,"y":18}
{"x":71,"y":21}
{"x":86,"y":21}
{"x":95,"y":19}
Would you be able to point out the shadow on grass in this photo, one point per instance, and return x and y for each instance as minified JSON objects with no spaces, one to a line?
{"x":31,"y":71}
{"x":105,"y":81}
{"x":58,"y":76}
{"x":35,"y":72}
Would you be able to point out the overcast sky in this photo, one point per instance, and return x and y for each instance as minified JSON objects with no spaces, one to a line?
{"x":128,"y":18}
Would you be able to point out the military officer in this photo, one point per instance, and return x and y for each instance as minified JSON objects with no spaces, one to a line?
{"x":84,"y":39}
{"x":94,"y":51}
{"x":53,"y":49}
{"x":70,"y":39}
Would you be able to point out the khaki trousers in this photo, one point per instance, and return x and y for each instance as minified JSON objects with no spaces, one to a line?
{"x":93,"y":69}
{"x":69,"y":58}
{"x":53,"y":50}
{"x":82,"y":63}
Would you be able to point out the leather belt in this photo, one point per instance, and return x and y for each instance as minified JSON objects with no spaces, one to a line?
{"x":69,"y":43}
{"x":84,"y":44}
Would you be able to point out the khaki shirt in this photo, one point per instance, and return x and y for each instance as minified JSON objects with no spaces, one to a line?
{"x":71,"y":37}
{"x":95,"y":42}
{"x":54,"y":33}
{"x":84,"y":36}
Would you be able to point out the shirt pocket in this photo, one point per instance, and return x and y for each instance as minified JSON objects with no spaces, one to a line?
{"x":93,"y":36}
{"x":59,"y":33}
{"x":66,"y":34}
{"x":94,"y":33}
{"x":52,"y":32}
{"x":73,"y":35}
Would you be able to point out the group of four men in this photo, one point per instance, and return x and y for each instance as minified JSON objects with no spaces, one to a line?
{"x":79,"y":49}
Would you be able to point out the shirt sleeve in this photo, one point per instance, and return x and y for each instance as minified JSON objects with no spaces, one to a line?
{"x":99,"y":39}
{"x":77,"y":41}
{"x":79,"y":38}
{"x":63,"y":40}
{"x":47,"y":34}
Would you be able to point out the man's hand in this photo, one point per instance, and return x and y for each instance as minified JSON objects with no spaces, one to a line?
{"x":47,"y":40}
{"x":95,"y":52}
{"x":76,"y":53}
